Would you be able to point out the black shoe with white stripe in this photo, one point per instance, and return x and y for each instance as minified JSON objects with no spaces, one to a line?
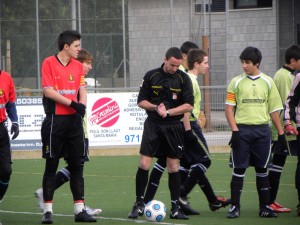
{"x":267,"y":212}
{"x":233,"y":212}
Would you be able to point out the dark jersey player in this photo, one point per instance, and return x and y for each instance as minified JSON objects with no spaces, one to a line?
{"x":166,"y":94}
{"x":7,"y":108}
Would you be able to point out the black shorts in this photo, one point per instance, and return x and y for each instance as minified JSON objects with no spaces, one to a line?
{"x":5,"y":153}
{"x":196,"y":152}
{"x":63,"y":136}
{"x":254,"y":149}
{"x":162,"y":139}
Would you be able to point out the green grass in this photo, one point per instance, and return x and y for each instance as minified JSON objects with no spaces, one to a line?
{"x":110,"y":185}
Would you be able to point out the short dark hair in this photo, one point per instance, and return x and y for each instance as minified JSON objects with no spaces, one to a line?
{"x":67,"y":37}
{"x":293,"y":52}
{"x":187,"y":46}
{"x":173,"y":52}
{"x":252,"y":54}
{"x":195,"y":55}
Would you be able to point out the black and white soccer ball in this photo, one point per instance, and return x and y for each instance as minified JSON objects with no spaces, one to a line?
{"x":155,"y":211}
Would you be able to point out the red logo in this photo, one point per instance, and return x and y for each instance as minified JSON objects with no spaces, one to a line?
{"x":105,"y":112}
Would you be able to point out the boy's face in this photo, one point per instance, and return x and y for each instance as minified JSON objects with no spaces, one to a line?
{"x":73,"y":49}
{"x":202,"y":68}
{"x":87,"y":66}
{"x":249,"y":68}
{"x":295,"y":64}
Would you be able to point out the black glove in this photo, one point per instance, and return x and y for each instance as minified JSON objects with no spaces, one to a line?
{"x":235,"y":139}
{"x":282,"y":144}
{"x":190,"y":136}
{"x":14,"y":130}
{"x":79,"y":107}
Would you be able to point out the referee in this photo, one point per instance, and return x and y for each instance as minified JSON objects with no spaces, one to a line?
{"x":166,"y":94}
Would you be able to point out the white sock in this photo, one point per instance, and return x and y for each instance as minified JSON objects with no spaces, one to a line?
{"x":48,"y":207}
{"x":78,"y":207}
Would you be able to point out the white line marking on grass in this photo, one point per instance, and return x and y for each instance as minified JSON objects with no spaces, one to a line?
{"x":98,"y":217}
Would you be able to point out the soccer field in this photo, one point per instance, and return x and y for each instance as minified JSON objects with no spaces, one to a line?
{"x":110,"y":186}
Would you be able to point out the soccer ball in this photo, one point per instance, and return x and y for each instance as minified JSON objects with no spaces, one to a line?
{"x":155,"y":211}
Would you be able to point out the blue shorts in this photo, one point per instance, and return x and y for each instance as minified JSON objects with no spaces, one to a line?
{"x":254,"y":149}
{"x":196,"y":152}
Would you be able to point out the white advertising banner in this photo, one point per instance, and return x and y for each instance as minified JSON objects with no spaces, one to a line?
{"x":112,"y":119}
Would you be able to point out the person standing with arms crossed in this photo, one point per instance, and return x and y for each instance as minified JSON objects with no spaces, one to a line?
{"x":252,"y":100}
{"x":63,"y":175}
{"x":166,"y":94}
{"x":62,"y":129}
{"x":283,"y":79}
{"x":7,"y":109}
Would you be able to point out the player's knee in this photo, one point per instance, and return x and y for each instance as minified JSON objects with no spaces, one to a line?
{"x":5,"y":172}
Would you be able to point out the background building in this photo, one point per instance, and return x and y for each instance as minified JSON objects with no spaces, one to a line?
{"x":129,"y":37}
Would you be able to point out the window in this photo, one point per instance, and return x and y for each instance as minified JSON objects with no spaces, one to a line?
{"x":215,"y":6}
{"x":245,"y":4}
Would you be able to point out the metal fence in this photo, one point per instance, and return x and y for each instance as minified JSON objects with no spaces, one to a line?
{"x":216,"y":131}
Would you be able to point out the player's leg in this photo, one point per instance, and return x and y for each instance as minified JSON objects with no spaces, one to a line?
{"x":151,"y":141}
{"x":174,"y":187}
{"x":297,"y":182}
{"x":274,"y":179}
{"x":5,"y":173}
{"x":141,"y":181}
{"x":48,"y":189}
{"x":5,"y":160}
{"x":236,"y":187}
{"x":154,"y":179}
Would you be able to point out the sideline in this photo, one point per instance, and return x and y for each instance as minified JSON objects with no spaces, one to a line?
{"x":98,"y":217}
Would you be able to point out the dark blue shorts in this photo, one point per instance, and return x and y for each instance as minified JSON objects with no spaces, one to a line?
{"x":254,"y":149}
{"x":162,"y":139}
{"x":196,"y":152}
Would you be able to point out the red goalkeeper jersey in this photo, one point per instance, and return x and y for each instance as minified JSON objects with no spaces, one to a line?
{"x":7,"y":93}
{"x":66,"y":80}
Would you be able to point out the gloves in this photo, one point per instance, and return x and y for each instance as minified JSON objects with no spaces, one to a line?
{"x":282,"y":144}
{"x":190,"y":136}
{"x":14,"y":130}
{"x":79,"y":107}
{"x":290,"y":129}
{"x":235,"y":139}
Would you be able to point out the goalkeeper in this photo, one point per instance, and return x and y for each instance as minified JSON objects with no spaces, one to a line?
{"x":292,"y":113}
{"x":7,"y":107}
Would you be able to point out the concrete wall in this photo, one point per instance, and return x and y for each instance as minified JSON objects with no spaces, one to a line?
{"x":151,"y":33}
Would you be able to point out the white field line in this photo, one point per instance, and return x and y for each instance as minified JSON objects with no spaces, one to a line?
{"x":98,"y":217}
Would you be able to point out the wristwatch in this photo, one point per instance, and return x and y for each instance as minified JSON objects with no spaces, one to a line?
{"x":168,"y":113}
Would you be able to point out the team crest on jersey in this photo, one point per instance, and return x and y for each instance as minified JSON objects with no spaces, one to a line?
{"x":174,"y":96}
{"x":71,"y":78}
{"x":1,"y":93}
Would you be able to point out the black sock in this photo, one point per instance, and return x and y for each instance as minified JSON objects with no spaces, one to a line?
{"x":61,"y":177}
{"x":236,"y":185}
{"x":141,"y":184}
{"x":275,"y":174}
{"x":153,"y":182}
{"x":190,"y":181}
{"x":207,"y":189}
{"x":263,"y":186}
{"x":5,"y":173}
{"x":174,"y":186}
